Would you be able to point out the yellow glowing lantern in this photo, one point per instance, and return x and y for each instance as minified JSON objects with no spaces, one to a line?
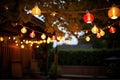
{"x":87,"y":38}
{"x":102,"y":33}
{"x":23,"y":30}
{"x":94,"y":30}
{"x":48,"y":40}
{"x":114,"y":12}
{"x":1,"y":39}
{"x":36,"y":10}
{"x":43,"y":36}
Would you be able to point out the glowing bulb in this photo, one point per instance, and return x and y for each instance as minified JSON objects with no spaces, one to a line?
{"x":22,"y":46}
{"x":94,"y":30}
{"x":23,"y":30}
{"x":36,"y":11}
{"x":43,"y":36}
{"x":1,"y":39}
{"x":87,"y":38}
{"x":102,"y":33}
{"x":32,"y":34}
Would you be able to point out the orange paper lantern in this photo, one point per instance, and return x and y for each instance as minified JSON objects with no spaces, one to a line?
{"x":114,"y":12}
{"x":36,"y":10}
{"x":32,"y":34}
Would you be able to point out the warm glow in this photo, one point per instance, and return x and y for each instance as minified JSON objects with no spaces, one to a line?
{"x":44,"y":41}
{"x":22,"y":46}
{"x":114,"y":12}
{"x":87,"y":38}
{"x":88,"y":18}
{"x":14,"y":38}
{"x":32,"y":34}
{"x":98,"y":35}
{"x":37,"y":46}
{"x":1,"y":39}
{"x":43,"y":36}
{"x":48,"y":40}
{"x":17,"y":44}
{"x":102,"y":33}
{"x":36,"y":10}
{"x":112,"y":29}
{"x":94,"y":30}
{"x":26,"y":41}
{"x":23,"y":30}
{"x":9,"y":37}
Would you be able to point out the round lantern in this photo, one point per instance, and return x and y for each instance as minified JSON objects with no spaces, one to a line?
{"x":23,"y":30}
{"x":32,"y":34}
{"x":87,"y":38}
{"x":94,"y":30}
{"x":114,"y":12}
{"x":43,"y":36}
{"x":88,"y":18}
{"x":36,"y":10}
{"x":112,"y":29}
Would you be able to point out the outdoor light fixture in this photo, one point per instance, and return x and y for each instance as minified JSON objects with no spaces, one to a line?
{"x":23,"y":30}
{"x":87,"y":38}
{"x":102,"y":33}
{"x":88,"y":18}
{"x":22,"y":46}
{"x":112,"y":29}
{"x":114,"y":12}
{"x":98,"y":35}
{"x":36,"y":10}
{"x":32,"y":34}
{"x":94,"y":30}
{"x":43,"y":36}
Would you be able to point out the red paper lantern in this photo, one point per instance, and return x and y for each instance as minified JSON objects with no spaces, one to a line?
{"x":88,"y":18}
{"x":112,"y":29}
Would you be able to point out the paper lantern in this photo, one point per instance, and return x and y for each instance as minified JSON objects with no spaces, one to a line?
{"x":114,"y":12}
{"x":102,"y":33}
{"x":87,"y":38}
{"x":23,"y":30}
{"x":88,"y":18}
{"x":98,"y":35}
{"x":94,"y":30}
{"x":36,"y":10}
{"x":43,"y":36}
{"x":112,"y":29}
{"x":32,"y":34}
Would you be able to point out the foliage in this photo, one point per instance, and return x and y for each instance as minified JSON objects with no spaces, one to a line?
{"x":55,"y":70}
{"x":93,"y":57}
